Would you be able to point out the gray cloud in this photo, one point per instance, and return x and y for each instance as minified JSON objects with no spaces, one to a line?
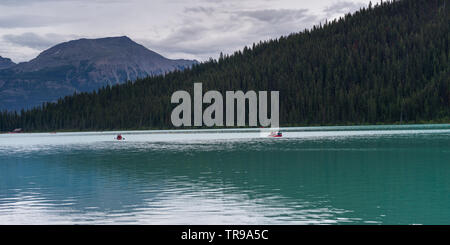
{"x":345,"y":7}
{"x":273,"y":23}
{"x":34,"y":41}
{"x":19,"y":2}
{"x":28,"y":2}
{"x":18,"y":21}
{"x":203,"y":10}
{"x":276,"y":16}
{"x":208,"y":31}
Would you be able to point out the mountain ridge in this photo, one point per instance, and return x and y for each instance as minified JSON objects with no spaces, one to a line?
{"x":81,"y":65}
{"x":6,"y":63}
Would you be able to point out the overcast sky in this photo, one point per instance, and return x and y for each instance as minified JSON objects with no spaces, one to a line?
{"x":192,"y":29}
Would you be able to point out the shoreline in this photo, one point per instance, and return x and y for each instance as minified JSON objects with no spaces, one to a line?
{"x":352,"y":127}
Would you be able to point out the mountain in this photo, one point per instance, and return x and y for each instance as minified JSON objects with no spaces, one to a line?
{"x":80,"y":65}
{"x":6,"y":63}
{"x":388,"y":63}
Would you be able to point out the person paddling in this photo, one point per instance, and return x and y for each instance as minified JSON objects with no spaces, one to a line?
{"x":119,"y":137}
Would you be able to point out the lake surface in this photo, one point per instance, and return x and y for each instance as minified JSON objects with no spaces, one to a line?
{"x":313,"y":175}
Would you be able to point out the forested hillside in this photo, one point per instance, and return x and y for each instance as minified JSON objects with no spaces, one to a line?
{"x":382,"y":64}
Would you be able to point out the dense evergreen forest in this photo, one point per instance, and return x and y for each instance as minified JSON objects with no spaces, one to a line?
{"x":387,"y":63}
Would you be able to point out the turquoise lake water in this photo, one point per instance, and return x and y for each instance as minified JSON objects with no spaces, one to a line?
{"x":314,"y":175}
